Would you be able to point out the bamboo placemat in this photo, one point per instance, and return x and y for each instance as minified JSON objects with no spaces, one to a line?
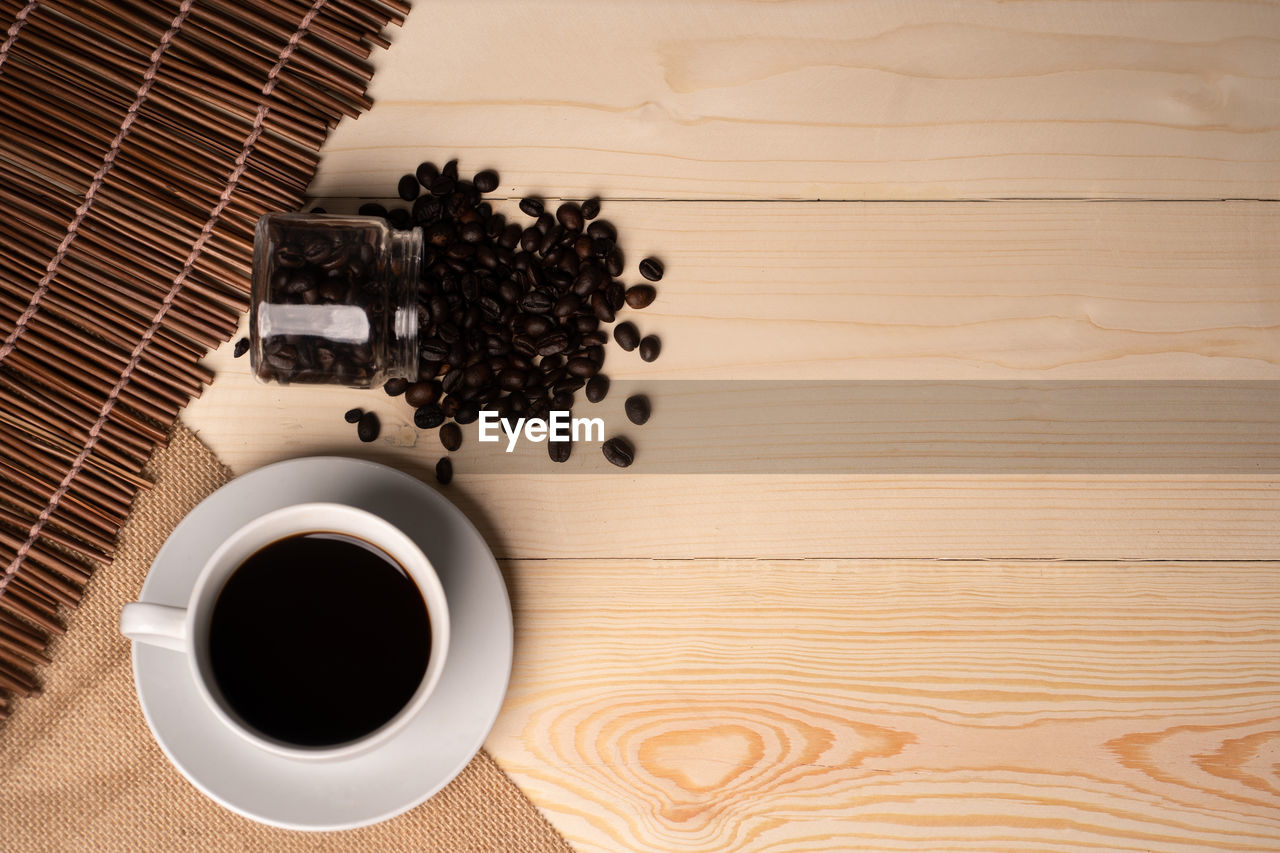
{"x":142,"y":142}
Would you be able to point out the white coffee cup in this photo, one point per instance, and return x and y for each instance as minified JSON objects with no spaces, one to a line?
{"x":186,"y":629}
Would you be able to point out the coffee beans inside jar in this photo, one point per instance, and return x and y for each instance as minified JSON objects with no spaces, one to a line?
{"x":507,"y":316}
{"x":333,"y":300}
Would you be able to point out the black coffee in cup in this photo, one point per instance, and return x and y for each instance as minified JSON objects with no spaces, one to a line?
{"x":318,"y":639}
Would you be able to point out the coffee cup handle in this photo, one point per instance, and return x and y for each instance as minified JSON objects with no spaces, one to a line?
{"x":155,"y":625}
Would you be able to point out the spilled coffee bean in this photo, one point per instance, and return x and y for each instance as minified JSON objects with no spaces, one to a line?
{"x":637,"y":409}
{"x":597,"y":388}
{"x":451,"y":436}
{"x":627,"y":335}
{"x":641,"y":296}
{"x":368,"y":427}
{"x":650,"y":346}
{"x":408,"y":190}
{"x":559,"y":451}
{"x":444,"y":471}
{"x":619,"y":451}
{"x":429,"y":416}
{"x":353,"y":415}
{"x":426,"y":173}
{"x":241,"y":347}
{"x":651,"y":268}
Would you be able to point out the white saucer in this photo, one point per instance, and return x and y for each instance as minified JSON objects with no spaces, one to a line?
{"x":413,"y":765}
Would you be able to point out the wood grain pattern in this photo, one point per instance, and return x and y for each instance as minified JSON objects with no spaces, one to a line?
{"x":817,"y":705}
{"x":813,"y":99}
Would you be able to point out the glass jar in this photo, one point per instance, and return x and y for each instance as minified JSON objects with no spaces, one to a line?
{"x":334,"y":300}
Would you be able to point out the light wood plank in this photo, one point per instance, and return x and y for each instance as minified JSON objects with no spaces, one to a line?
{"x":724,"y":706}
{"x":1032,"y":290}
{"x":818,"y":99}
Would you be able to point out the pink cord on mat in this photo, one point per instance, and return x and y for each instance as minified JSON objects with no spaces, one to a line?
{"x":51,"y":270}
{"x":12,"y":35}
{"x":242,"y":161}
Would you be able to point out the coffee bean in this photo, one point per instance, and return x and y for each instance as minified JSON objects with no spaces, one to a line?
{"x":566,"y":306}
{"x":583,"y":367}
{"x":408,"y":188}
{"x":486,"y":181}
{"x":597,"y":388}
{"x":531,"y":239}
{"x":619,"y":451}
{"x":641,"y":296}
{"x":450,"y":169}
{"x":651,"y":268}
{"x":535,"y":325}
{"x":436,"y":350}
{"x":468,"y":413}
{"x":395,"y":386}
{"x":588,"y":280}
{"x":399,"y":218}
{"x":429,"y":416}
{"x":451,"y":436}
{"x":353,"y":415}
{"x":650,"y":346}
{"x":600,"y":305}
{"x":283,"y":359}
{"x":368,"y":427}
{"x":422,"y":393}
{"x":512,"y":379}
{"x":442,"y":185}
{"x":591,"y":208}
{"x":531,"y":206}
{"x":614,"y":262}
{"x":426,"y":173}
{"x":570,"y":216}
{"x":559,"y":451}
{"x":538,"y":302}
{"x":242,"y":347}
{"x":372,"y":208}
{"x":602,"y":229}
{"x":616,"y":295}
{"x":627,"y":335}
{"x":553,"y":344}
{"x":637,"y":409}
{"x":478,"y":375}
{"x":510,"y":236}
{"x":601,"y":247}
{"x":444,"y":471}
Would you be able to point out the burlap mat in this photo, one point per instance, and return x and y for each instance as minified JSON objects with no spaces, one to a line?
{"x":80,"y":771}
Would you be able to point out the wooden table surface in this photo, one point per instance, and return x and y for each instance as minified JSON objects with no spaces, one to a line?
{"x":879,"y":190}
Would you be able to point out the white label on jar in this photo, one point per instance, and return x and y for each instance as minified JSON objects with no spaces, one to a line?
{"x":342,"y":324}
